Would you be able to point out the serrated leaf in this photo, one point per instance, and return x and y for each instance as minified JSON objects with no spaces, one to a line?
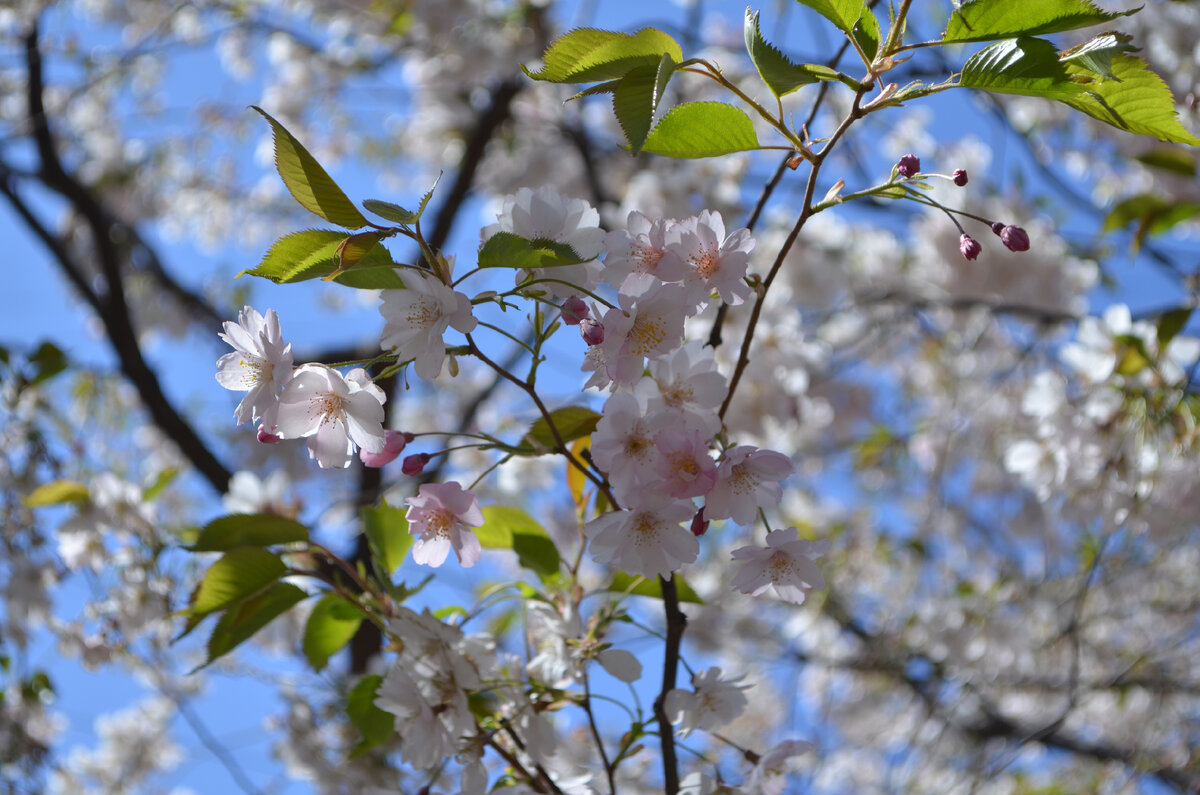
{"x":1096,"y":55}
{"x":1136,"y":100}
{"x":331,"y":625}
{"x":585,"y":55}
{"x":506,"y":250}
{"x":511,"y":528}
{"x":702,"y":129}
{"x":642,"y":586}
{"x":314,"y":253}
{"x":781,"y":75}
{"x":984,"y":20}
{"x":1026,"y":66}
{"x":387,"y":533}
{"x":607,"y":87}
{"x":239,"y":623}
{"x":851,"y":17}
{"x":248,"y":530}
{"x":239,"y":574}
{"x":394,"y":212}
{"x":636,"y":97}
{"x":1171,"y":159}
{"x":374,"y":724}
{"x":1171,"y":323}
{"x":308,"y":182}
{"x":56,"y":492}
{"x":571,"y":422}
{"x":353,"y":250}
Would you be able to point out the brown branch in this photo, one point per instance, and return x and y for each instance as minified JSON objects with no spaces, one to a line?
{"x":676,"y":624}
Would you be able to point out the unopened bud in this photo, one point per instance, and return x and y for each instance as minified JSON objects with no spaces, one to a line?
{"x":452,"y":366}
{"x":266,"y":437}
{"x":414,"y":463}
{"x":969,"y":246}
{"x":997,"y":228}
{"x":960,"y":177}
{"x":574,"y":310}
{"x":592,"y":332}
{"x":393,"y":446}
{"x":699,"y":523}
{"x":909,"y":166}
{"x":1014,"y":238}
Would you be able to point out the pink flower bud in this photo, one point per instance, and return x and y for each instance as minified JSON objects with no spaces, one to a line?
{"x":574,"y":310}
{"x":414,"y":463}
{"x":393,"y":446}
{"x":997,"y":227}
{"x":266,"y":437}
{"x":909,"y":166}
{"x":969,"y":246}
{"x":699,"y":523}
{"x":592,"y":331}
{"x":960,"y":177}
{"x":1014,"y":238}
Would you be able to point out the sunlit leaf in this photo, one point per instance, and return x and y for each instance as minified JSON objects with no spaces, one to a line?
{"x":239,"y":574}
{"x":387,"y":533}
{"x":985,"y":20}
{"x":506,"y":250}
{"x":702,"y":129}
{"x":636,"y":96}
{"x":505,"y":527}
{"x":1135,"y":100}
{"x":376,"y":726}
{"x":331,"y":625}
{"x":316,"y":253}
{"x":1097,"y":54}
{"x":586,"y":55}
{"x":248,"y":530}
{"x":56,"y":492}
{"x":852,"y":17}
{"x":781,"y":75}
{"x":1028,"y":67}
{"x":571,"y":422}
{"x":643,"y":586}
{"x":239,"y":623}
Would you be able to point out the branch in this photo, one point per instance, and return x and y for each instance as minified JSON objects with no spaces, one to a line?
{"x":676,"y":624}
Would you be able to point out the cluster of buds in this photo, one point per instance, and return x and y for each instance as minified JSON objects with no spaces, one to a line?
{"x":576,"y":313}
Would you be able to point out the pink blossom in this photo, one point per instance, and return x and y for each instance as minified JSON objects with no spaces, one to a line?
{"x":685,"y":468}
{"x":640,"y":251}
{"x":442,"y":515}
{"x":623,"y":444}
{"x":747,"y":479}
{"x":650,"y":540}
{"x":786,"y":562}
{"x":687,"y":385}
{"x":417,"y":317}
{"x":715,"y":262}
{"x":336,"y":414}
{"x":647,"y":324}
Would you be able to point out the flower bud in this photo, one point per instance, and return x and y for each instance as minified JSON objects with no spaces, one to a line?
{"x":909,"y":166}
{"x":960,"y":177}
{"x":699,"y":523}
{"x":592,"y":331}
{"x":266,"y":437}
{"x":574,"y":310}
{"x":1014,"y":238}
{"x":969,"y":246}
{"x":414,"y":463}
{"x":997,"y":227}
{"x":393,"y":446}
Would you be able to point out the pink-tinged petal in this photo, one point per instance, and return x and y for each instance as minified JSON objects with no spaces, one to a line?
{"x":330,"y":446}
{"x":770,"y":465}
{"x":809,"y":572}
{"x":364,"y":417}
{"x":777,"y":538}
{"x":393,"y":446}
{"x":789,"y":593}
{"x":751,"y":578}
{"x":428,"y":363}
{"x":431,"y":551}
{"x":466,"y":547}
{"x":296,"y":418}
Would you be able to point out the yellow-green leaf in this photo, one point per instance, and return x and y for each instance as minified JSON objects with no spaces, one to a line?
{"x":387,"y":533}
{"x":239,"y":574}
{"x":636,"y":96}
{"x":1135,"y":100}
{"x":56,"y":492}
{"x":330,"y":627}
{"x":852,"y":17}
{"x":702,"y":129}
{"x":511,"y":528}
{"x":374,"y":724}
{"x":1026,"y":66}
{"x":239,"y":623}
{"x":642,"y":586}
{"x":586,"y":55}
{"x":316,"y":253}
{"x":248,"y":530}
{"x":985,"y":20}
{"x":571,"y":422}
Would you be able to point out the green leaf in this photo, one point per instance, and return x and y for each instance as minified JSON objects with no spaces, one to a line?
{"x":1171,"y":159}
{"x":374,"y":724}
{"x":1028,"y":67}
{"x":164,"y":479}
{"x":642,"y":586}
{"x":506,"y":250}
{"x":307,"y":181}
{"x":1150,"y":214}
{"x":853,"y":18}
{"x":984,"y":20}
{"x":48,"y":361}
{"x":512,"y":528}
{"x":780,"y":74}
{"x":1096,"y":55}
{"x":387,"y":533}
{"x":248,"y":530}
{"x":239,"y":574}
{"x":353,"y":250}
{"x":636,"y":97}
{"x":1171,"y":323}
{"x":702,"y":129}
{"x":1135,"y":100}
{"x":330,"y":626}
{"x":239,"y":623}
{"x":394,"y":212}
{"x":56,"y":492}
{"x":585,"y":55}
{"x":572,"y":422}
{"x":316,"y":253}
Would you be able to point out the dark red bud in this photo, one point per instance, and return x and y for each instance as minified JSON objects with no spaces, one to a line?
{"x":997,"y":227}
{"x":909,"y":166}
{"x":414,"y":463}
{"x":266,"y":437}
{"x":699,"y":523}
{"x":960,"y":177}
{"x":592,"y":332}
{"x":574,"y":310}
{"x":969,"y":246}
{"x":1014,"y":238}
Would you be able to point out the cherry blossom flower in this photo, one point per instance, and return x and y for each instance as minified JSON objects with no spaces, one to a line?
{"x":545,"y":214}
{"x":417,"y":317}
{"x":647,"y":324}
{"x":623,"y":444}
{"x":685,"y":468}
{"x":336,"y":414}
{"x":715,"y":262}
{"x":650,"y":540}
{"x":786,"y":562}
{"x":687,"y":385}
{"x":747,"y":479}
{"x":442,"y":515}
{"x":712,"y":702}
{"x":640,"y":251}
{"x":426,"y":738}
{"x":260,"y":366}
{"x":769,"y":776}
